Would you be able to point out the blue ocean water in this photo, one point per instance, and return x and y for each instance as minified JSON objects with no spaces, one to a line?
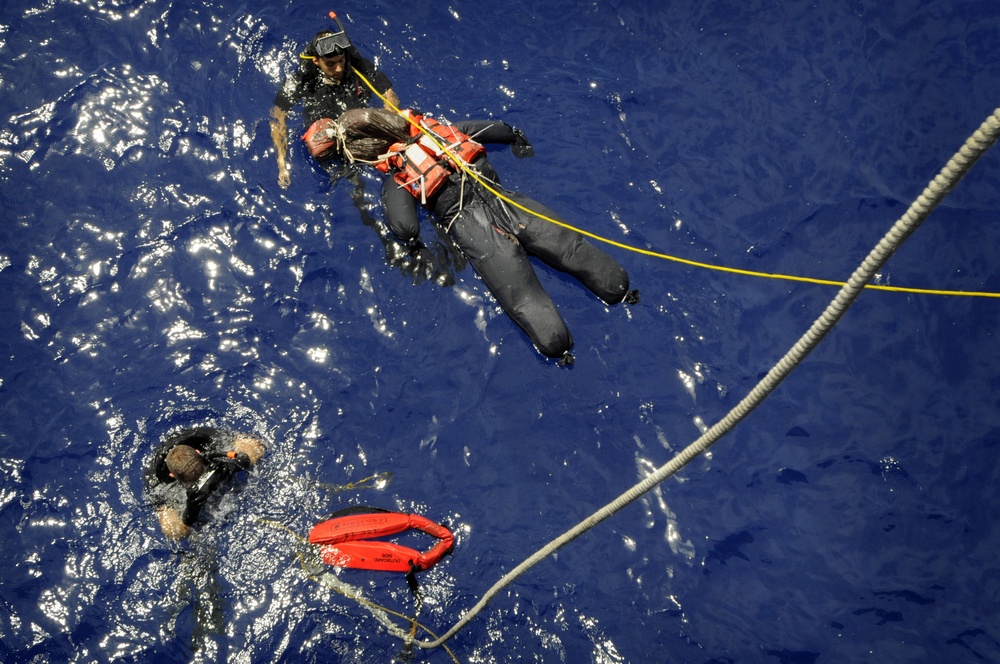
{"x":154,"y":276}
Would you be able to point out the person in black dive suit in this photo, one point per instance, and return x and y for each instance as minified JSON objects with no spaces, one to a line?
{"x":189,"y":467}
{"x":326,"y":86}
{"x":496,"y":236}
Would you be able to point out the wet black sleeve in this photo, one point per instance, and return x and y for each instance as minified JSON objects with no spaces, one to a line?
{"x":289,"y":93}
{"x":400,"y":211}
{"x":171,"y":495}
{"x":488,"y":131}
{"x":379,"y":80}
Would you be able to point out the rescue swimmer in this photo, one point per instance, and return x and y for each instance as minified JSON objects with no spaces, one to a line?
{"x":326,"y":84}
{"x":421,"y":156}
{"x":190,"y":467}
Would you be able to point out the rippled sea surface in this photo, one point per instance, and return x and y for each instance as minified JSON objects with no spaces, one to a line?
{"x":154,"y":276}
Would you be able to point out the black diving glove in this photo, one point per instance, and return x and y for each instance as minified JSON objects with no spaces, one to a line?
{"x":521,"y":147}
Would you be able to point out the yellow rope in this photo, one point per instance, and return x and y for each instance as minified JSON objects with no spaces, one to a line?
{"x":655,"y":254}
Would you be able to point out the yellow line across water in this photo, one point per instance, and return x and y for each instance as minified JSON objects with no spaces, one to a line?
{"x":667,"y":257}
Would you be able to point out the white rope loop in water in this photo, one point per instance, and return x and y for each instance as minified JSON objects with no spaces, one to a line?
{"x":974,"y":147}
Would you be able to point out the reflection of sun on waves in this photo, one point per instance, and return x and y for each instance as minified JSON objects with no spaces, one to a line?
{"x":120,"y":112}
{"x":119,"y":117}
{"x":655,"y":501}
{"x":113,"y":114}
{"x":104,"y":116}
{"x":215,"y":299}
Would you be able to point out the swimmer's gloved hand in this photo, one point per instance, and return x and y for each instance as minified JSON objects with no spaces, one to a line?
{"x":240,"y":459}
{"x":521,"y":147}
{"x":423,"y":261}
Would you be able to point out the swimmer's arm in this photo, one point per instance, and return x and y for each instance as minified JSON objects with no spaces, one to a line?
{"x":391,"y":100}
{"x":381,"y":83}
{"x":279,"y":136}
{"x":172,"y":522}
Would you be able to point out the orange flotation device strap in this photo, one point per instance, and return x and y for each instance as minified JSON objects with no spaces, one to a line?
{"x":346,"y":541}
{"x":421,"y":164}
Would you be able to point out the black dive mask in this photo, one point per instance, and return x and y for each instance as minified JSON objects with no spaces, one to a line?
{"x":332,"y":45}
{"x":335,"y":44}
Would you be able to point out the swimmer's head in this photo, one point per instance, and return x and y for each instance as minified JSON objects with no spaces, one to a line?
{"x":185,"y":463}
{"x":329,"y":52}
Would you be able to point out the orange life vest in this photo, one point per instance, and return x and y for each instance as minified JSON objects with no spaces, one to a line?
{"x":421,"y":165}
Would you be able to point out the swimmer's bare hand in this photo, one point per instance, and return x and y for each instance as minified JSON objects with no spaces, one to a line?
{"x":172,"y":523}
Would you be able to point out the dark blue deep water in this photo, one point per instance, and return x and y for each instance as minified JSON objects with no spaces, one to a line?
{"x":154,"y":276}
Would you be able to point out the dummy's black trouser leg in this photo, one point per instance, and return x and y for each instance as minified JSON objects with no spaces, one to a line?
{"x":504,"y":266}
{"x":565,"y":250}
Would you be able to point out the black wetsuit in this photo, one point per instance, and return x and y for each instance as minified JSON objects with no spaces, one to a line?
{"x":321,"y":100}
{"x":498,"y":238}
